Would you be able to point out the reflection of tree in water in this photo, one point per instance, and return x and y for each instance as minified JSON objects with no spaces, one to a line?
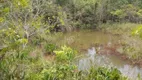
{"x":131,"y":72}
{"x":95,"y":60}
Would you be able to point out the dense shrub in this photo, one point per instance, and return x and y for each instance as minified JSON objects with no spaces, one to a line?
{"x":24,"y":24}
{"x":105,"y":74}
{"x":65,"y":54}
{"x":49,"y":48}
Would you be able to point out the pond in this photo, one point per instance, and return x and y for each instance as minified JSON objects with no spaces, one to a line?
{"x":90,"y":43}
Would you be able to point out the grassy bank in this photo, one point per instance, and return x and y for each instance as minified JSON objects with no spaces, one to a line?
{"x":131,"y":44}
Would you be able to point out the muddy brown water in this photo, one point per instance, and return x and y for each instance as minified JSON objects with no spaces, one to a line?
{"x":83,"y":40}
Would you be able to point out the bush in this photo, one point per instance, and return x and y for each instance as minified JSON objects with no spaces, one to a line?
{"x":65,"y":54}
{"x":103,"y":73}
{"x":59,"y":72}
{"x":49,"y":48}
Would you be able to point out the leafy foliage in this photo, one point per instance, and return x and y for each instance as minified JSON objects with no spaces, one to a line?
{"x":50,"y":48}
{"x":105,"y":74}
{"x":66,"y":53}
{"x":64,"y":71}
{"x":128,"y":12}
{"x":24,"y":24}
{"x":137,"y":31}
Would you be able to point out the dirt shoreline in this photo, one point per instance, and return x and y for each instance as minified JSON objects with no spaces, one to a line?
{"x":112,"y":50}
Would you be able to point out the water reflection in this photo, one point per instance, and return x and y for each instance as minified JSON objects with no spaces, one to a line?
{"x":105,"y":43}
{"x":95,"y":60}
{"x":130,"y":71}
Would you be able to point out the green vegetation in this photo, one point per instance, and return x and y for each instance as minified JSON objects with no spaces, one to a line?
{"x":29,"y":64}
{"x":65,"y":54}
{"x":26,"y":27}
{"x":131,"y":38}
{"x":49,"y":48}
